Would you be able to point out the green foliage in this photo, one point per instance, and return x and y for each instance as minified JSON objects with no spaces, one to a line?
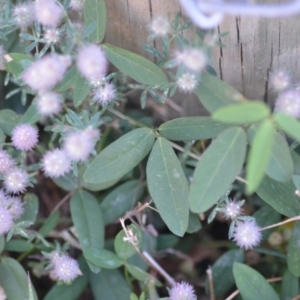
{"x":293,"y":258}
{"x":141,"y":275}
{"x":168,"y":186}
{"x":288,"y":125}
{"x":8,"y":120}
{"x":15,"y":65}
{"x":103,"y":258}
{"x":290,"y":286}
{"x":82,"y":88}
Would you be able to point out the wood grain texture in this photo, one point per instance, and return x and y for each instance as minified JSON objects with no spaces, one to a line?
{"x":254,"y":46}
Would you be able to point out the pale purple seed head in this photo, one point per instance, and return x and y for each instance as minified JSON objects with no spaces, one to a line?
{"x":182,"y":291}
{"x":160,"y":26}
{"x":23,"y":15}
{"x":48,"y":13}
{"x":6,"y":220}
{"x":247,"y":234}
{"x":77,"y":5}
{"x":194,"y":59}
{"x":6,"y":162}
{"x":66,"y":268}
{"x":78,"y":146}
{"x":105,"y":94}
{"x":232,"y":210}
{"x":187,"y":82}
{"x":52,"y":36}
{"x":49,"y":103}
{"x":91,"y":62}
{"x":15,"y":206}
{"x":288,"y":103}
{"x":46,"y":72}
{"x":24,"y":137}
{"x":56,"y":163}
{"x":279,"y":81}
{"x":16,"y":181}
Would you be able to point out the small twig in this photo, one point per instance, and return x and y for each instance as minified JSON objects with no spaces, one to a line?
{"x":297,"y":297}
{"x":62,"y":201}
{"x":281,"y":223}
{"x":237,"y":291}
{"x":211,"y":283}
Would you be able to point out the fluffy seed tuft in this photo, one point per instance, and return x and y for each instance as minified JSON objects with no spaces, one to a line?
{"x":48,"y":13}
{"x":187,"y":82}
{"x":16,"y":181}
{"x":77,"y":5}
{"x":279,"y":81}
{"x":66,"y":268}
{"x":6,"y":220}
{"x":160,"y":26}
{"x":23,"y":16}
{"x":24,"y":137}
{"x":105,"y":94}
{"x":232,"y":210}
{"x":49,"y":104}
{"x":289,"y":103}
{"x":6,"y":162}
{"x":182,"y":291}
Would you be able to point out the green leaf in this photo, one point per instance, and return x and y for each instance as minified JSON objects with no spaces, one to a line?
{"x":103,"y":258}
{"x":70,"y":291}
{"x":18,"y":246}
{"x":31,"y":116}
{"x":251,"y":284}
{"x":168,"y":186}
{"x":2,"y":243}
{"x":8,"y":120}
{"x":288,"y":125}
{"x":222,"y":272}
{"x":88,"y":220}
{"x":293,"y":255}
{"x":242,"y":113}
{"x":290,"y":286}
{"x":95,"y":13}
{"x":280,"y":195}
{"x":120,"y":200}
{"x":219,"y":165}
{"x":259,"y":156}
{"x":194,"y":223}
{"x":141,"y":275}
{"x":266,"y":216}
{"x":68,"y":81}
{"x":31,"y":208}
{"x":14,"y":66}
{"x":281,"y":166}
{"x":13,"y":279}
{"x":49,"y":224}
{"x":120,"y":157}
{"x":214,"y":93}
{"x":109,"y":284}
{"x":124,"y":249}
{"x":32,"y":294}
{"x":82,"y":89}
{"x":191,"y":128}
{"x":135,"y":66}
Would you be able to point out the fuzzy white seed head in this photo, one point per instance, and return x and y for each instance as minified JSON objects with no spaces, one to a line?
{"x":182,"y":291}
{"x":91,"y":62}
{"x":160,"y":26}
{"x":66,"y":268}
{"x":24,"y":137}
{"x":46,"y":72}
{"x":279,"y":81}
{"x":289,"y":103}
{"x":15,"y":206}
{"x":105,"y":94}
{"x":78,"y":146}
{"x":6,"y":220}
{"x":194,"y":59}
{"x":52,"y":36}
{"x":16,"y":181}
{"x":56,"y":163}
{"x":232,"y":210}
{"x":187,"y":82}
{"x":247,"y":234}
{"x":6,"y":162}
{"x":23,"y":15}
{"x":77,"y":5}
{"x":49,"y":103}
{"x":48,"y":13}
{"x":2,"y":59}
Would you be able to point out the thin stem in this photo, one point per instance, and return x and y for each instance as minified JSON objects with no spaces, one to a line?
{"x":281,"y":223}
{"x":62,"y":201}
{"x":297,"y":297}
{"x":237,"y":291}
{"x":211,"y":283}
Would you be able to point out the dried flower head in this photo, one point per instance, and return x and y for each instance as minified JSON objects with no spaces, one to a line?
{"x":23,"y":16}
{"x":24,"y":137}
{"x":6,"y":220}
{"x":247,"y":234}
{"x":78,"y":146}
{"x":48,"y":13}
{"x":46,"y":72}
{"x":66,"y":268}
{"x":279,"y":81}
{"x":182,"y":291}
{"x":91,"y":62}
{"x":16,"y":181}
{"x":187,"y":82}
{"x":49,"y":103}
{"x":2,"y":59}
{"x":289,"y":103}
{"x":52,"y":36}
{"x":105,"y":94}
{"x":232,"y":210}
{"x":77,"y":5}
{"x":160,"y":26}
{"x":6,"y":162}
{"x":56,"y":163}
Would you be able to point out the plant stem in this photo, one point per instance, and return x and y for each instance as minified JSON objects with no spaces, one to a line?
{"x":281,"y":223}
